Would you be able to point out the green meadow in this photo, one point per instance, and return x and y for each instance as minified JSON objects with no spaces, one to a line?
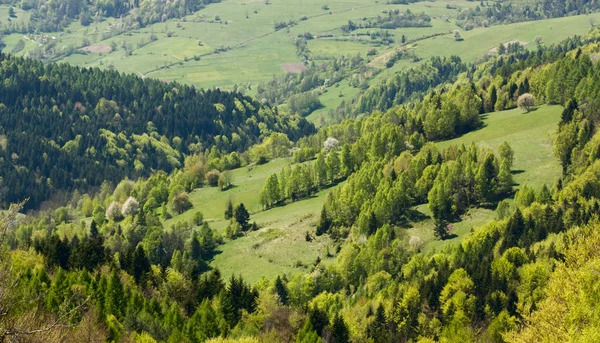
{"x":235,"y":43}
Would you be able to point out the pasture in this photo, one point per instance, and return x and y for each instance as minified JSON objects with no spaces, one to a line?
{"x":235,"y":42}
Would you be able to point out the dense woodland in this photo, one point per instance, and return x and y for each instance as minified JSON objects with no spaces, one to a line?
{"x":65,"y":128}
{"x":128,"y":278}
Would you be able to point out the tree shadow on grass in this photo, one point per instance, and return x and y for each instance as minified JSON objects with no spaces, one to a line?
{"x":416,"y":216}
{"x":480,"y":127}
{"x":450,"y":236}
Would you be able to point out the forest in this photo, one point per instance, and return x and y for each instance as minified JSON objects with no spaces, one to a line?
{"x":125,"y":277}
{"x":66,"y":128}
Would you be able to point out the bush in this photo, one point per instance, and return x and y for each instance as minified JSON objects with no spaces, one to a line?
{"x":225,"y":181}
{"x":181,"y":203}
{"x":61,"y":215}
{"x":262,"y":159}
{"x":198,"y":218}
{"x":212,"y":178}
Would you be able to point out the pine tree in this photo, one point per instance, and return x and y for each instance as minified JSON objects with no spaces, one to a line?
{"x":242,"y":216}
{"x":318,"y":319}
{"x":440,"y":230}
{"x":140,"y":265}
{"x":505,"y":180}
{"x":115,"y":296}
{"x":281,"y":291}
{"x":229,"y":209}
{"x":378,"y":329}
{"x":339,"y":330}
{"x":347,"y":160}
{"x":372,"y":224}
{"x":94,"y":229}
{"x":487,"y":177}
{"x":567,"y":113}
{"x":493,"y":99}
{"x":308,"y":334}
{"x":207,"y":241}
{"x":321,"y":170}
{"x":333,"y":166}
{"x":324,"y":222}
{"x":514,"y":230}
{"x":544,"y":196}
{"x":204,"y":324}
{"x":195,"y":248}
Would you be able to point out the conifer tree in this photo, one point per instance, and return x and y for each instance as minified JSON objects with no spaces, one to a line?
{"x":281,"y":291}
{"x":140,"y":266}
{"x":229,"y":209}
{"x":242,"y":216}
{"x":339,"y":330}
{"x":505,"y":180}
{"x":115,"y":296}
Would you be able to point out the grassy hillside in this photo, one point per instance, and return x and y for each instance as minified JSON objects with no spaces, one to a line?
{"x":531,"y":136}
{"x":280,"y":243}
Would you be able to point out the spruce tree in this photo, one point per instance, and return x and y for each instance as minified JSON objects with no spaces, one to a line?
{"x":140,"y":266}
{"x":242,"y":216}
{"x":281,"y":291}
{"x":229,"y":209}
{"x":115,"y":296}
{"x":339,"y":330}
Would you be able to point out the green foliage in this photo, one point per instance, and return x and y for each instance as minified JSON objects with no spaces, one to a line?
{"x":241,"y":216}
{"x":115,"y":145}
{"x":181,"y":203}
{"x":229,"y":209}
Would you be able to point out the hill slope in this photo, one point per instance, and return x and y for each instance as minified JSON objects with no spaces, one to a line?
{"x":65,"y":127}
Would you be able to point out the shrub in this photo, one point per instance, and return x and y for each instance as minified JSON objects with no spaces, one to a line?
{"x":181,"y":203}
{"x":212,"y":178}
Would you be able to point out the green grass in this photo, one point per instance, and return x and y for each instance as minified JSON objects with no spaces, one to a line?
{"x":280,"y":242}
{"x":247,"y":185}
{"x":279,"y":245}
{"x":331,"y":100}
{"x":530,"y":135}
{"x":479,"y":41}
{"x":469,"y":222}
{"x":255,"y":52}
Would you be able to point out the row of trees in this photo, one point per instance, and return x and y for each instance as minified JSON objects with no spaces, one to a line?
{"x":303,"y":180}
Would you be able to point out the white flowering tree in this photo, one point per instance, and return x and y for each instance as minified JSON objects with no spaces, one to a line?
{"x":331,"y":144}
{"x":131,"y":207}
{"x":113,"y":212}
